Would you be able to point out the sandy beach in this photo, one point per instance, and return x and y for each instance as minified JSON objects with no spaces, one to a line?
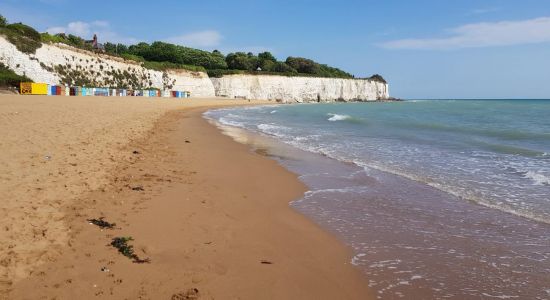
{"x":210,"y":215}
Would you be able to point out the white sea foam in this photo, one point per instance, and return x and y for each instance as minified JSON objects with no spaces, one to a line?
{"x":337,"y":117}
{"x":499,"y":296}
{"x":273,"y":111}
{"x":355,"y":260}
{"x":538,"y":179}
{"x":225,"y":121}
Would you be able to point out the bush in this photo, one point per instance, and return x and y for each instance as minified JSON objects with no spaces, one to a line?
{"x":8,"y":78}
{"x":221,"y":73}
{"x":3,"y":21}
{"x":132,"y":57}
{"x":162,"y":66}
{"x":239,"y":61}
{"x":283,"y":68}
{"x":57,"y":38}
{"x":165,"y":52}
{"x":377,"y":77}
{"x":24,"y":37}
{"x":25,"y":31}
{"x":303,"y":65}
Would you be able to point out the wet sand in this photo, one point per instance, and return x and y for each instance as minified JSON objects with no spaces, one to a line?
{"x":211,"y":215}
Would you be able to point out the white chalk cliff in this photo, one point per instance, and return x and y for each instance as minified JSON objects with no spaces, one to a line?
{"x":61,"y":64}
{"x":299,"y":89}
{"x":54,"y":64}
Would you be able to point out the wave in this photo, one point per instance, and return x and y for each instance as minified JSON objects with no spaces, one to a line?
{"x":457,"y":192}
{"x":337,"y":117}
{"x":504,"y":134}
{"x":285,"y":134}
{"x":538,"y":179}
{"x":345,"y":118}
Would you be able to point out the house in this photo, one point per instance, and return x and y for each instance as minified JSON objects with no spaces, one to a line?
{"x":95,"y":45}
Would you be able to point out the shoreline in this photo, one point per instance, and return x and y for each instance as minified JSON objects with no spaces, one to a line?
{"x":410,"y":239}
{"x":222,"y":226}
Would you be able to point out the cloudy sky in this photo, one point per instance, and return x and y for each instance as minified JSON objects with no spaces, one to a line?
{"x":424,"y":48}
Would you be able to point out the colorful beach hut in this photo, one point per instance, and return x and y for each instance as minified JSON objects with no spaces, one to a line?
{"x":31,"y":88}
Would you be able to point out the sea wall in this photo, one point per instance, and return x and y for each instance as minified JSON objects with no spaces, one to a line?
{"x":299,"y":89}
{"x":61,"y":64}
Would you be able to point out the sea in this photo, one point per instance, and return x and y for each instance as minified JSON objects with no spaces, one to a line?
{"x":438,"y":199}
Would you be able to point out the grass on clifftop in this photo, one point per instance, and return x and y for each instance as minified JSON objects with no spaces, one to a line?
{"x":24,"y":37}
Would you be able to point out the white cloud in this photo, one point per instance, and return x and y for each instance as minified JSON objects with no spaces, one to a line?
{"x":87,"y":29}
{"x":205,"y":38}
{"x":488,"y":34}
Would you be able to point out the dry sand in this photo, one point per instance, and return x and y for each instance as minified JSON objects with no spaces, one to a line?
{"x":204,"y":209}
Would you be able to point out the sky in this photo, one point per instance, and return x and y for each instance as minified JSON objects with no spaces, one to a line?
{"x":426,"y":49}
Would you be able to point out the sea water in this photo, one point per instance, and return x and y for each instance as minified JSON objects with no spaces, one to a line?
{"x":438,"y":198}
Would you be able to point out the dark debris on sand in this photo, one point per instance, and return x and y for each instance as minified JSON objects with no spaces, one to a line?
{"x":187,"y":295}
{"x":102,"y":223}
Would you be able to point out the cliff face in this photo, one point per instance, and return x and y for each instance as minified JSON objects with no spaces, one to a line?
{"x":59,"y":64}
{"x":299,"y":89}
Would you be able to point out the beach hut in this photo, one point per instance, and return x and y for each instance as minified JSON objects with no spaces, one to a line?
{"x":67,"y":91}
{"x":31,"y":88}
{"x":101,"y":92}
{"x":49,"y":90}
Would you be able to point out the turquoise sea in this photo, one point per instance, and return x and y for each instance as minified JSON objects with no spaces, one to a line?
{"x":438,"y":198}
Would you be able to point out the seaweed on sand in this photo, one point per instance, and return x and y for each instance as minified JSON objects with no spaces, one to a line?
{"x":121,"y":243}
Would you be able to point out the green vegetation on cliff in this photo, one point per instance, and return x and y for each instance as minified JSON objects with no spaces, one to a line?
{"x":24,"y":37}
{"x":8,"y":78}
{"x":162,"y":56}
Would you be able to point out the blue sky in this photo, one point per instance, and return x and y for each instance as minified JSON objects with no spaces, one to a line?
{"x":424,"y":48}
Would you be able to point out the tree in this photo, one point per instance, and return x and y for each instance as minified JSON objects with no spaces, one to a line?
{"x":283,"y":68}
{"x":303,"y":65}
{"x":264,"y":56}
{"x":267,"y":65}
{"x":238,"y":61}
{"x":3,"y":21}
